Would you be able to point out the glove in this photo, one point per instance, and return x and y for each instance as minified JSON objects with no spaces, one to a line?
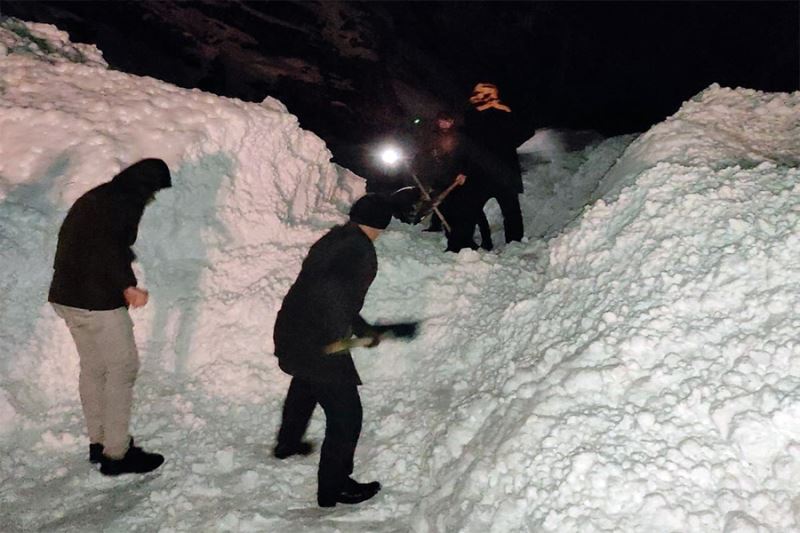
{"x":402,"y":330}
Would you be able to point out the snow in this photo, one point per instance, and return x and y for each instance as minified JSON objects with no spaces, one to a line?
{"x":638,"y":370}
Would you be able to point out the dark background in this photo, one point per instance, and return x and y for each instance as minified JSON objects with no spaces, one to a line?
{"x":355,"y":72}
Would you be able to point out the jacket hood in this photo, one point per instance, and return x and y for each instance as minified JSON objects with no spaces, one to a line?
{"x":143,"y":178}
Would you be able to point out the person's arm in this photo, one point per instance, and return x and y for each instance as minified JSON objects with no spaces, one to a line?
{"x":362,"y":328}
{"x":122,"y":229}
{"x":349,"y":286}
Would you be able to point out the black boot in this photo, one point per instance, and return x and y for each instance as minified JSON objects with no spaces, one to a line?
{"x":352,"y":492}
{"x":135,"y":461}
{"x":435,"y":225}
{"x":95,"y":452}
{"x":282,"y":451}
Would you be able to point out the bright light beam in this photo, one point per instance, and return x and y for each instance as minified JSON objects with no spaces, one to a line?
{"x":390,"y":156}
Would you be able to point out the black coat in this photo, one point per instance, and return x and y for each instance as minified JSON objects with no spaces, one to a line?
{"x":440,"y":159}
{"x":93,"y":259}
{"x":492,"y":148}
{"x":323,"y":306}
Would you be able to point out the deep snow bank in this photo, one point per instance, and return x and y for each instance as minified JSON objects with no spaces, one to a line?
{"x":720,"y":127}
{"x":650,"y":379}
{"x":248,"y":184}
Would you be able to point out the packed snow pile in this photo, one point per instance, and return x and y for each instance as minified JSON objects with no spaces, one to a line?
{"x":638,"y":371}
{"x":245,"y":175}
{"x":562,"y":173}
{"x":649,"y":379}
{"x":720,"y":128}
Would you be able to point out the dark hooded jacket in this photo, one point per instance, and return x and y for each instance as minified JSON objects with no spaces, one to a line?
{"x":92,"y":267}
{"x":323,"y":306}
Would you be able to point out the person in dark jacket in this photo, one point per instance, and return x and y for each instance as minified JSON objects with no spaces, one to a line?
{"x":93,"y":285}
{"x":440,"y":162}
{"x":323,"y":306}
{"x":440,"y":158}
{"x":489,"y":128}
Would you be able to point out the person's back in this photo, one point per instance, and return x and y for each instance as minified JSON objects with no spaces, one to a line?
{"x":490,"y":135}
{"x":322,"y":304}
{"x":92,"y":265}
{"x":492,"y":147}
{"x":93,"y":256}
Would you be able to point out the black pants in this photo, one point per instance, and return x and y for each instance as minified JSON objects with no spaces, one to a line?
{"x":508,"y":200}
{"x":343,"y":415}
{"x":483,"y":226}
{"x":463,"y":210}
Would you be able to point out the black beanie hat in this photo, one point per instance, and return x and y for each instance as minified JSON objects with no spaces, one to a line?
{"x":372,"y":210}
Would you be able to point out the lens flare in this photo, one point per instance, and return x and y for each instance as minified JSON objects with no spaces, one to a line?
{"x":390,"y":155}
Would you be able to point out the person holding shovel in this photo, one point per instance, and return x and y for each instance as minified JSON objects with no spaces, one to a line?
{"x":440,"y":168}
{"x":313,"y":333}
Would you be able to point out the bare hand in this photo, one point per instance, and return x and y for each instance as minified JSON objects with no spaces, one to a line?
{"x":460,"y":179}
{"x":136,"y":297}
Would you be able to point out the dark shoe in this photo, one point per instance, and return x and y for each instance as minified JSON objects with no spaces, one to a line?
{"x":352,"y":492}
{"x":352,"y":485}
{"x":95,"y":452}
{"x":282,"y":451}
{"x":135,"y":461}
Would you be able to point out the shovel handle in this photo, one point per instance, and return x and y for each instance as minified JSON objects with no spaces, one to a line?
{"x":345,"y":344}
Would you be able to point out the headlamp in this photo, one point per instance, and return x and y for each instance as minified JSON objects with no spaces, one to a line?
{"x":390,"y":155}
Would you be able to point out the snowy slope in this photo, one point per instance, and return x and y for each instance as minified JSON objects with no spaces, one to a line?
{"x":562,"y":171}
{"x":636,"y":372}
{"x":655,"y":376}
{"x":245,"y":176}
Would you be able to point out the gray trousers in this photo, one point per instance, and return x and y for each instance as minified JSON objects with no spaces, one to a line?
{"x":109,"y":363}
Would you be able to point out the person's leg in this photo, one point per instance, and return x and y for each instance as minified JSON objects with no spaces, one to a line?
{"x":343,"y":418}
{"x":297,"y":410}
{"x":122,"y":366}
{"x":121,"y":357}
{"x":463,"y":209}
{"x":436,"y":223}
{"x":512,"y":214}
{"x":460,"y":236}
{"x":83,"y":326}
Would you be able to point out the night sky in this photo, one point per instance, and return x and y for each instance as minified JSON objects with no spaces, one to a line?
{"x":621,"y":66}
{"x":613,"y":67}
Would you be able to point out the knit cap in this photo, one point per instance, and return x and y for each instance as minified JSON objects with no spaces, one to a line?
{"x":371,"y":210}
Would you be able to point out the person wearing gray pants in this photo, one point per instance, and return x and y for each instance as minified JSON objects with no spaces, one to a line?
{"x":109,"y":363}
{"x":93,"y":286}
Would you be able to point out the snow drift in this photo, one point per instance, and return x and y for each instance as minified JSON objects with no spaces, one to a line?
{"x":247,"y":180}
{"x":638,"y":371}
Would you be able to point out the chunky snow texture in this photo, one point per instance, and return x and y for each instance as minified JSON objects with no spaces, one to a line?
{"x":636,"y":371}
{"x":246,"y":179}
